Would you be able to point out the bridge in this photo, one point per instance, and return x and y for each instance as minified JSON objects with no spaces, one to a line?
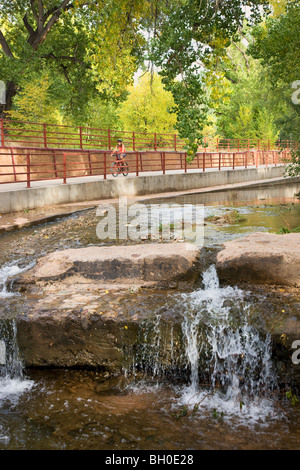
{"x":61,"y":164}
{"x":38,"y":152}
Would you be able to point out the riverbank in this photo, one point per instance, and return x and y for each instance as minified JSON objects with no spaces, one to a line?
{"x":19,"y":219}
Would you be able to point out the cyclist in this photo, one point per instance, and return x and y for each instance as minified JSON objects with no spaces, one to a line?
{"x":119,"y":151}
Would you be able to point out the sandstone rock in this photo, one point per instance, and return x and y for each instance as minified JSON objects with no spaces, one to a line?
{"x":261,"y":258}
{"x":80,"y":312}
{"x":144,"y":263}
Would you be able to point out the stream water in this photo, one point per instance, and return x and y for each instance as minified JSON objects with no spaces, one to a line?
{"x":227,"y":396}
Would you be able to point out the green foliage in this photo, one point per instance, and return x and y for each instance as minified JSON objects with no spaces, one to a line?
{"x":147,"y":107}
{"x":33,"y":103}
{"x":192,"y":35}
{"x":277,"y":45}
{"x":247,"y":107}
{"x":102,"y":114}
{"x":88,"y":49}
{"x":74,"y":63}
{"x":292,"y":397}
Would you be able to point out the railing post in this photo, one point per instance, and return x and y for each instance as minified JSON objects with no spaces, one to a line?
{"x":13,"y":163}
{"x":219,"y":160}
{"x":185,"y":162}
{"x":137,"y":163}
{"x":1,"y":133}
{"x":65,"y":168}
{"x":90,"y":164}
{"x":54,"y":163}
{"x":109,"y":140}
{"x":133,"y":141}
{"x":233,"y":158}
{"x":155,"y":142}
{"x":104,"y":165}
{"x":45,"y":135}
{"x":80,"y":137}
{"x":175,"y":143}
{"x":246,"y":160}
{"x":164,"y":162}
{"x":28,"y":170}
{"x":204,"y":155}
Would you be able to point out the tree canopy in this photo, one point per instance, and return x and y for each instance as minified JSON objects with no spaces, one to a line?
{"x":227,"y":67}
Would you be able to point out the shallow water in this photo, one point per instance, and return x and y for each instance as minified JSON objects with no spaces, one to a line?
{"x":75,"y":409}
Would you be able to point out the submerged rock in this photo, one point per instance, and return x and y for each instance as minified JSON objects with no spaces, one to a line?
{"x":261,"y":258}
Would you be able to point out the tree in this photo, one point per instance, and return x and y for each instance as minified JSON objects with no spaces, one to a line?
{"x":146,"y":108}
{"x":86,"y":48}
{"x":246,"y":105}
{"x":192,"y":34}
{"x":277,"y":46}
{"x":33,"y":103}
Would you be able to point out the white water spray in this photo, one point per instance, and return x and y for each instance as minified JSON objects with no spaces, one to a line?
{"x":221,"y":344}
{"x":12,"y":381}
{"x":7,"y":272}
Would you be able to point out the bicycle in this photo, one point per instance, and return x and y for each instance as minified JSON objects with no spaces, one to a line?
{"x":119,"y":166}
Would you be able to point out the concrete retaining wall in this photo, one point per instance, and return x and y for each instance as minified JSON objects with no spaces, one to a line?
{"x":75,"y":191}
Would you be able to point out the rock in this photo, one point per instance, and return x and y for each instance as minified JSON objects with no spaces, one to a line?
{"x":80,"y":312}
{"x":53,"y":335}
{"x":261,"y":258}
{"x":144,"y":263}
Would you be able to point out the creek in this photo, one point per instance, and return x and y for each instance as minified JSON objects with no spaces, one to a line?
{"x":221,"y":391}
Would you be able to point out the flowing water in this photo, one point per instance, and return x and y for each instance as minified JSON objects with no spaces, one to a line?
{"x":212,"y":386}
{"x":237,"y":358}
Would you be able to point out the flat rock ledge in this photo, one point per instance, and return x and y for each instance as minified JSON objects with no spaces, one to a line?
{"x":141,"y":264}
{"x":85,"y":307}
{"x":261,"y":258}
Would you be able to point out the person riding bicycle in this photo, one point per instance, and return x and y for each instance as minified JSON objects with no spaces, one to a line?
{"x":119,"y":151}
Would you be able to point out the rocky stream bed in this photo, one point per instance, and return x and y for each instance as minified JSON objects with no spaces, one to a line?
{"x":108,"y":342}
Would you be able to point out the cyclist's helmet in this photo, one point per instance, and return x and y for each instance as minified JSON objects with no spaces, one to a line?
{"x":120,"y":140}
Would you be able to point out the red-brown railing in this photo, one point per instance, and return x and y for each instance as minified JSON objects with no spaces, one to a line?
{"x":30,"y":134}
{"x":26,"y":165}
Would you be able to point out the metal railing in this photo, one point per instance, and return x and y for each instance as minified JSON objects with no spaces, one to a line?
{"x":26,"y":165}
{"x":31,"y":134}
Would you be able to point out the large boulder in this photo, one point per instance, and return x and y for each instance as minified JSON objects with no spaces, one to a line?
{"x":127,"y":264}
{"x":80,"y":310}
{"x":261,"y":258}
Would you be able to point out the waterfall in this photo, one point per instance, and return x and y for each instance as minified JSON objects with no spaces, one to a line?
{"x":221,"y":344}
{"x":210,"y":343}
{"x":6,"y":273}
{"x":12,"y":381}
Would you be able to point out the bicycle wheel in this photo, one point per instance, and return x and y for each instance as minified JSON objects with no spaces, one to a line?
{"x":115,"y":169}
{"x":125,"y":169}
